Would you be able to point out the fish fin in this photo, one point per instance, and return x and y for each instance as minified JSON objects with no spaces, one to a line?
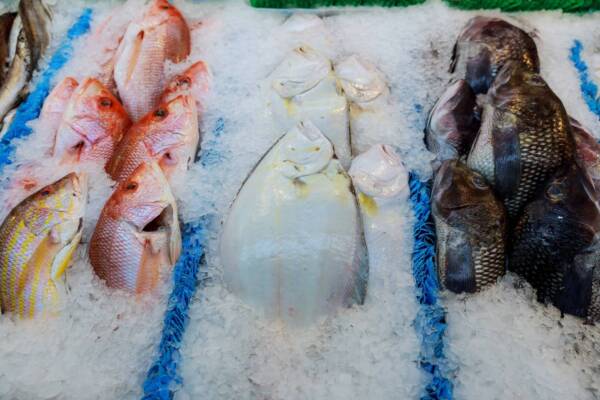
{"x":454,"y":58}
{"x":174,"y":240}
{"x":362,"y":278}
{"x":460,"y":273}
{"x":135,"y":55}
{"x":150,"y":264}
{"x":64,"y":256}
{"x":507,"y":157}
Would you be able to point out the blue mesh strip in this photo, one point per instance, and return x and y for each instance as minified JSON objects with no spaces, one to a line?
{"x":589,"y":90}
{"x":430,"y":321}
{"x":31,"y":107}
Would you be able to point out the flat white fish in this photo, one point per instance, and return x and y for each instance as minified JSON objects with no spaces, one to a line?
{"x":304,"y":88}
{"x":368,"y":94}
{"x":381,"y":183}
{"x":292,"y":245}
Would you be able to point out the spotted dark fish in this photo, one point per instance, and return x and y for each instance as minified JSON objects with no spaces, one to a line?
{"x":525,"y":137}
{"x":470,"y":227}
{"x":453,"y":122}
{"x":485,"y":45}
{"x":554,"y":242}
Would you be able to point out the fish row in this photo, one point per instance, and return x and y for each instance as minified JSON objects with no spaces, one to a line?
{"x":144,"y":141}
{"x":515,"y":177}
{"x":293,"y":243}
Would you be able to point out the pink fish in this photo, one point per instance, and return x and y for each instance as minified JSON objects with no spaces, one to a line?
{"x":169,"y":135}
{"x":194,"y":81}
{"x":160,"y":34}
{"x":137,"y":237}
{"x":56,"y":104}
{"x":93,"y":123}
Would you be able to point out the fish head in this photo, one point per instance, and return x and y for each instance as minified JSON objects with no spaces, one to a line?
{"x":514,"y":79}
{"x":304,"y":151}
{"x":58,"y":207}
{"x":57,"y":100}
{"x":163,"y":15}
{"x":194,"y":81}
{"x":145,"y":201}
{"x":453,"y":122}
{"x":379,"y":173}
{"x":299,"y":72}
{"x":93,"y":123}
{"x":457,"y":187}
{"x":360,"y":79}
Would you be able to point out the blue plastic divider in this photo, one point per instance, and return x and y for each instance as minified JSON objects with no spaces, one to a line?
{"x":430,"y":321}
{"x":31,"y":107}
{"x":589,"y":90}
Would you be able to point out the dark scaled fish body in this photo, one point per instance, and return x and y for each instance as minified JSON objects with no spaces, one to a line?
{"x":470,"y":227}
{"x":453,"y":122}
{"x":525,"y":137}
{"x":587,"y":153}
{"x":485,"y":45}
{"x":554,"y":244}
{"x":6,"y":23}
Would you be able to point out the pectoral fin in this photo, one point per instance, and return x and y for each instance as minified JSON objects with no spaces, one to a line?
{"x":507,"y":155}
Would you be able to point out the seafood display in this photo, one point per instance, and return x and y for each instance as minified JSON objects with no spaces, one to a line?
{"x":295,"y":220}
{"x":519,"y":190}
{"x":37,"y":242}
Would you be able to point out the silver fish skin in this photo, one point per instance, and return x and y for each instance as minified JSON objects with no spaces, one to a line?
{"x":32,"y":41}
{"x":555,"y":241}
{"x":453,"y":122}
{"x":525,"y":137}
{"x":485,"y":45}
{"x":470,"y":227}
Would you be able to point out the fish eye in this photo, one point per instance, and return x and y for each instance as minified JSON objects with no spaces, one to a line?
{"x":554,"y":193}
{"x":105,"y":102}
{"x":479,"y":182}
{"x":45,"y":192}
{"x":161,"y":112}
{"x":184,"y":81}
{"x":165,"y":7}
{"x":131,"y":186}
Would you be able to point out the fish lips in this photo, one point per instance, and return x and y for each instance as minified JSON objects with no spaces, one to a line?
{"x":449,"y":188}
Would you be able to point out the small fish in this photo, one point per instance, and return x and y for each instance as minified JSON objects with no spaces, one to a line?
{"x":55,"y":105}
{"x":169,"y":135}
{"x":32,"y":41}
{"x":137,"y":238}
{"x":6,"y":23}
{"x":587,"y":153}
{"x":470,"y":225}
{"x":161,"y":34}
{"x":561,"y":223}
{"x":367,"y":92}
{"x":292,"y":245}
{"x":381,"y":183}
{"x":194,"y":82}
{"x":485,"y":45}
{"x":453,"y":122}
{"x":525,"y":137}
{"x":91,"y":126}
{"x":37,"y":241}
{"x":304,"y":88}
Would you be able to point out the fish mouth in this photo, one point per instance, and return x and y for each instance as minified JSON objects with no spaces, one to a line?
{"x":162,"y":221}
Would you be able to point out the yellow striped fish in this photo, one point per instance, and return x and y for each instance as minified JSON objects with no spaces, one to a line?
{"x":37,"y":241}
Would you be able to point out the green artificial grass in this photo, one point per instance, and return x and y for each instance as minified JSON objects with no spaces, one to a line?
{"x":528,"y":5}
{"x":328,"y":3}
{"x":505,"y":5}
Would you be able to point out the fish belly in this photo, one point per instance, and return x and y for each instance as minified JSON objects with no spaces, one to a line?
{"x":481,"y":157}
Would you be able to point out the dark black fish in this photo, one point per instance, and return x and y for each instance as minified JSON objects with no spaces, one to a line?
{"x":553,"y":244}
{"x":453,"y":122}
{"x":470,"y":226}
{"x":6,"y":23}
{"x":485,"y":45}
{"x":525,"y":137}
